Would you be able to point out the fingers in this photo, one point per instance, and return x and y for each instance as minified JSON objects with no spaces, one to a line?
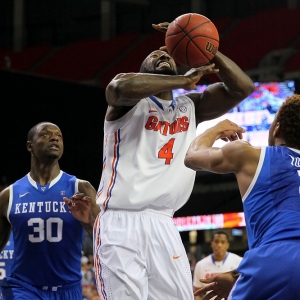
{"x":211,"y":295}
{"x":206,"y":288}
{"x":163,"y":48}
{"x":163,"y":27}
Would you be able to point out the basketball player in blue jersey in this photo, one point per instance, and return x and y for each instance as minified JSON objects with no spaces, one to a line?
{"x":139,"y":254}
{"x":47,"y":238}
{"x":269,"y":183}
{"x":6,"y":258}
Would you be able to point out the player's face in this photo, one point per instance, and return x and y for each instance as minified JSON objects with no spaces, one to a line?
{"x":160,"y":62}
{"x":47,"y":142}
{"x":220,"y":245}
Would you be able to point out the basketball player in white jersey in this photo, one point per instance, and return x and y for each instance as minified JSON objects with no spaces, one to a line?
{"x":221,"y":260}
{"x":138,"y":251}
{"x":269,"y":181}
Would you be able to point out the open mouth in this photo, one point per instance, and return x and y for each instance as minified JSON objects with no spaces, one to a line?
{"x":54,"y":146}
{"x":163,"y":64}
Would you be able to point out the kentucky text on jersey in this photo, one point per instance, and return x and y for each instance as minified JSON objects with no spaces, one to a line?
{"x":164,"y":127}
{"x":39,"y":207}
{"x":6,"y":254}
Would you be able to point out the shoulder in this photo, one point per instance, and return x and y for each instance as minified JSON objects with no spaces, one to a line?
{"x":4,"y":198}
{"x":86,"y":188}
{"x":240,"y":148}
{"x":204,"y":261}
{"x":235,"y":256}
{"x":84,"y":185}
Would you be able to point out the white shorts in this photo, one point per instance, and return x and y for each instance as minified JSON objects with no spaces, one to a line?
{"x":140,"y":256}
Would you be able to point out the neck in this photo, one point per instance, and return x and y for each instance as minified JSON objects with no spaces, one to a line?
{"x":219,"y":257}
{"x":44,"y":173}
{"x":166,"y":95}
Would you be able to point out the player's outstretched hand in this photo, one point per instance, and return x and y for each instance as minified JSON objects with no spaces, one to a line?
{"x":163,"y":27}
{"x":195,"y":74}
{"x":219,"y":285}
{"x":80,"y":207}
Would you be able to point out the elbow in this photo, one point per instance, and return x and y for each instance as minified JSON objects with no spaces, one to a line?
{"x":189,"y":162}
{"x":243,"y":91}
{"x":113,"y":93}
{"x":249,"y":88}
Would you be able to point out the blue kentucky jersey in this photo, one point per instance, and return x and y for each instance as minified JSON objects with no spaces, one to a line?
{"x":6,"y":259}
{"x":272,"y":203}
{"x":48,"y":239}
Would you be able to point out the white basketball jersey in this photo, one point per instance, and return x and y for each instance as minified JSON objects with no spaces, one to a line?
{"x":208,"y":267}
{"x":143,"y":156}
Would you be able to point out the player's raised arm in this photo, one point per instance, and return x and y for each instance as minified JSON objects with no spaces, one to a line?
{"x":218,"y":98}
{"x":128,"y":88}
{"x":5,"y":227}
{"x":202,"y":156}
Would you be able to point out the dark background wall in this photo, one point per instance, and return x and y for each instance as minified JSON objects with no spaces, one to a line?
{"x":64,"y":21}
{"x":76,"y":108}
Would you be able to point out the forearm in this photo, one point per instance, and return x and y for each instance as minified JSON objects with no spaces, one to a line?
{"x":130,"y":88}
{"x":89,"y":226}
{"x":198,"y":154}
{"x":235,"y":274}
{"x":205,"y":139}
{"x":237,"y":82}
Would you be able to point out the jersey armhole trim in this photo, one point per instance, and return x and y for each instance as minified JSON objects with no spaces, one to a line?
{"x":76,"y":185}
{"x":258,"y":169}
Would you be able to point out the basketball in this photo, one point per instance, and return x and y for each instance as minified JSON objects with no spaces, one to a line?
{"x":192,"y":40}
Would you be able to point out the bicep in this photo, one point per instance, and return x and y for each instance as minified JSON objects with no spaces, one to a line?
{"x":214,"y":102}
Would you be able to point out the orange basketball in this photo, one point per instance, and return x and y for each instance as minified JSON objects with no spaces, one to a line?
{"x":192,"y":40}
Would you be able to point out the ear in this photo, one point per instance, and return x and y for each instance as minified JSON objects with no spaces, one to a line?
{"x":29,"y":146}
{"x":276,"y":130}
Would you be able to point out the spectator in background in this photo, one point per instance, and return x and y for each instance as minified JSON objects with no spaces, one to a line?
{"x":219,"y":261}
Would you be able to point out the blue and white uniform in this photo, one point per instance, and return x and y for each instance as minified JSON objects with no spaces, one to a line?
{"x":6,"y":259}
{"x":47,"y":240}
{"x":139,"y":252}
{"x":270,"y":268}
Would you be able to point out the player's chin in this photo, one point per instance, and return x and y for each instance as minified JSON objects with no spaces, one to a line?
{"x":164,"y":71}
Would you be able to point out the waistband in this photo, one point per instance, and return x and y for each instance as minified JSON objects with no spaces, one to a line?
{"x":157,"y":212}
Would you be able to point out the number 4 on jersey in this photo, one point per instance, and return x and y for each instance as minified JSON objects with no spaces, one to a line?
{"x":166,"y":151}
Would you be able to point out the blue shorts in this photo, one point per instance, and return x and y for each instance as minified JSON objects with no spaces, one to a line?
{"x":269,"y":272}
{"x":15,"y":289}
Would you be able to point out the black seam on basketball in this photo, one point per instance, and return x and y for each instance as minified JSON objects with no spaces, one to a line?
{"x":204,"y":53}
{"x":178,"y":42}
{"x":199,"y":25}
{"x":205,"y":37}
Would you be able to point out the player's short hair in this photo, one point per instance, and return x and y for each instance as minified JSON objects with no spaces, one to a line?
{"x":219,"y":232}
{"x":33,"y":130}
{"x":288,"y":117}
